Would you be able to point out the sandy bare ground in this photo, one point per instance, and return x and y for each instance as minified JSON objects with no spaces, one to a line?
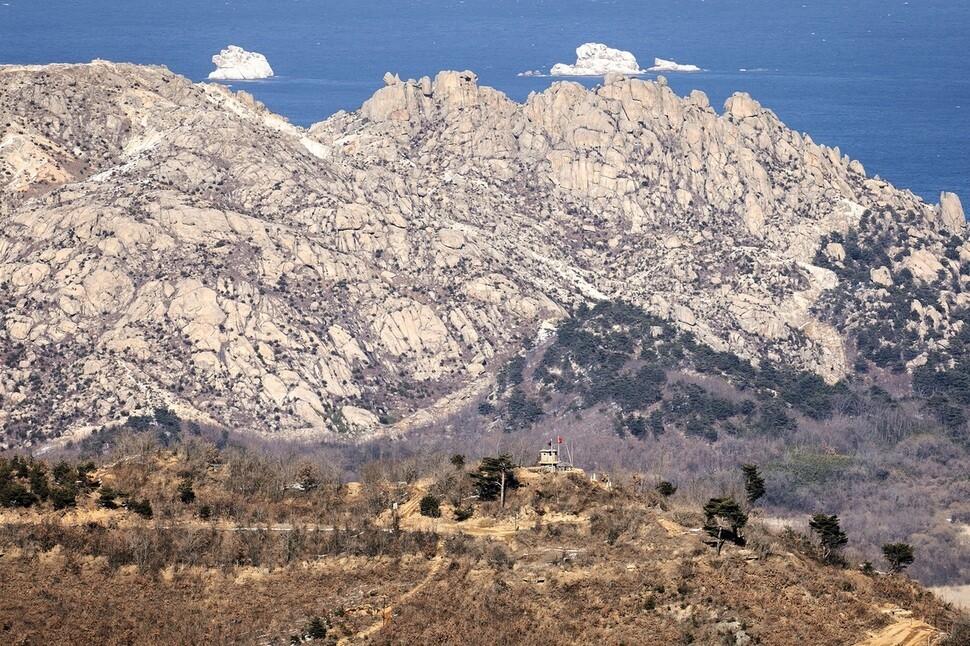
{"x":904,"y":631}
{"x":958,"y":595}
{"x":388,"y":610}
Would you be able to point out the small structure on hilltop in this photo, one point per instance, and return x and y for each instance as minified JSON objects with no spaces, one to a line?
{"x":550,"y":459}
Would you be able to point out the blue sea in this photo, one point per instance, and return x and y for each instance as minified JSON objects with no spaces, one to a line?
{"x":888,"y":81}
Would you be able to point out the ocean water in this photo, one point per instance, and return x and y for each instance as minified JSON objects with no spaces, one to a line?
{"x":885,"y":80}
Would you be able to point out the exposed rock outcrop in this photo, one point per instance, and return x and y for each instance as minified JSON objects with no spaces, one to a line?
{"x":661,"y":65}
{"x":596,"y":59}
{"x":951,"y":213}
{"x":172,"y":244}
{"x":235,"y":63}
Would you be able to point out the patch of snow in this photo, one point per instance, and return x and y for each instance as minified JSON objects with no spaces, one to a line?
{"x":235,"y":63}
{"x":596,"y":59}
{"x":660,"y":65}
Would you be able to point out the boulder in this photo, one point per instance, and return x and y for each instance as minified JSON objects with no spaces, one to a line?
{"x":881,"y":276}
{"x":951,"y":213}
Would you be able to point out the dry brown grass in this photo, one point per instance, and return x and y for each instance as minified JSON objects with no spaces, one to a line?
{"x":566,"y":561}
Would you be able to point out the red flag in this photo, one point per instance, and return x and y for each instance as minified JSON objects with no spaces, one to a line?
{"x":558,"y":439}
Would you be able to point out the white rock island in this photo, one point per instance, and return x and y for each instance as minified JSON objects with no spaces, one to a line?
{"x":236,"y":64}
{"x":661,"y":65}
{"x":596,"y":59}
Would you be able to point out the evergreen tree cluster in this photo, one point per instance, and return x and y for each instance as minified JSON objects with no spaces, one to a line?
{"x":25,"y":482}
{"x":616,"y":353}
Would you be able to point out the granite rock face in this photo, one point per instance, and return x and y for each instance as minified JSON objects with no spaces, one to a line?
{"x":951,"y":213}
{"x":170,"y":244}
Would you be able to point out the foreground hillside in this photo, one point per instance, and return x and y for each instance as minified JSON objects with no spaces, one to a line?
{"x":240,"y":548}
{"x":166,"y":244}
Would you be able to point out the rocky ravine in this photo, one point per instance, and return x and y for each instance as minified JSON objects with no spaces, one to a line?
{"x":173,"y":244}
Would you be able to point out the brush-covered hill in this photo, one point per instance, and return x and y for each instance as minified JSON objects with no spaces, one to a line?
{"x":165,"y":244}
{"x":196,"y":544}
{"x":635,"y":393}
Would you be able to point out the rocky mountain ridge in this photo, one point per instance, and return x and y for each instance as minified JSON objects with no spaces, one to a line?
{"x":175,"y":245}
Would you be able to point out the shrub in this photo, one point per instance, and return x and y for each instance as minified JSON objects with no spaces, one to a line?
{"x":430,"y":507}
{"x":666,"y":489}
{"x":316,"y":628}
{"x":106,"y":497}
{"x":143,"y":508}
{"x":185,"y":492}
{"x":461,"y":544}
{"x":500,"y":558}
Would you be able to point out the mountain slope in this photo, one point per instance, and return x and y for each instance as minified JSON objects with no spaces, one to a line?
{"x":170,"y":245}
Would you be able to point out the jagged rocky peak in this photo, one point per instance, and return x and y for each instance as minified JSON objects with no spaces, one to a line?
{"x":169,"y":244}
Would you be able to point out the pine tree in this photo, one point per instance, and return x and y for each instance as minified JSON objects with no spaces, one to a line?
{"x":38,"y":480}
{"x":13,"y":494}
{"x":666,"y":489}
{"x":722,"y":514}
{"x":64,"y":473}
{"x":64,"y":496}
{"x":898,"y":555}
{"x":106,"y":497}
{"x":143,"y":508}
{"x":488,"y":476}
{"x":725,"y":511}
{"x":754,"y":484}
{"x":830,"y":534}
